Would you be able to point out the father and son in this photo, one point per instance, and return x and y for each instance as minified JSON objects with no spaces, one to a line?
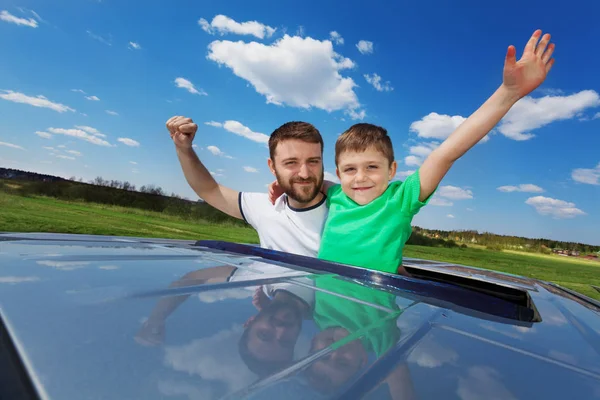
{"x":366,"y":219}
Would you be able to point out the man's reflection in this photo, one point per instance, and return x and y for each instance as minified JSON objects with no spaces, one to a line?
{"x":269,"y":338}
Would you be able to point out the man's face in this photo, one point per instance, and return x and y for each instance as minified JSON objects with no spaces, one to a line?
{"x":274,"y":332}
{"x":298,"y":167}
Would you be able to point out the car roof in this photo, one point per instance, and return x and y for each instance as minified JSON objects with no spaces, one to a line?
{"x":74,"y":307}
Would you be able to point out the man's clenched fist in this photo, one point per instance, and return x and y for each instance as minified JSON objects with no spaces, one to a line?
{"x":182,"y":131}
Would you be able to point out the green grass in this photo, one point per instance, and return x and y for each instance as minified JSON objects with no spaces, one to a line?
{"x":42,"y":214}
{"x":574,"y":274}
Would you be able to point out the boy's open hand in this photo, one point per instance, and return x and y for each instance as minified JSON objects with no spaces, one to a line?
{"x":182,"y":131}
{"x":523,"y":76}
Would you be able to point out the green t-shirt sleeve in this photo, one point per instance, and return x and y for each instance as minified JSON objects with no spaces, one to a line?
{"x":407,"y":195}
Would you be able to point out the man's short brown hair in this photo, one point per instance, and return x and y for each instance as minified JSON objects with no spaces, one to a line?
{"x":294,"y":130}
{"x":360,"y":137}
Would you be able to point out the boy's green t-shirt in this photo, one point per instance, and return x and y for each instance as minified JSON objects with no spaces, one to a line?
{"x":377,"y":326}
{"x":372,"y":235}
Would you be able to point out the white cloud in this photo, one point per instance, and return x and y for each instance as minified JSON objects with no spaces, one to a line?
{"x":250,"y":169}
{"x":92,"y":98}
{"x":65,"y":157}
{"x":217,"y":152}
{"x":591,"y":176}
{"x":80,"y":134}
{"x":527,"y":188}
{"x":100,"y":38}
{"x":110,"y":112}
{"x":482,"y":383}
{"x":365,"y":47}
{"x":440,"y":202}
{"x":450,"y":216}
{"x":404,"y":174}
{"x":429,"y":354}
{"x":223,"y":24}
{"x":361,"y":114}
{"x":454,"y":193}
{"x":182,"y":389}
{"x":336,"y":37}
{"x":375,"y":80}
{"x":134,"y":45}
{"x":558,"y":209}
{"x":62,"y":146}
{"x":294,"y":71}
{"x":239,"y":129}
{"x":436,"y":126}
{"x":198,"y":358}
{"x":12,"y":146}
{"x":189,"y":86}
{"x":108,"y":267}
{"x":129,"y":142}
{"x":469,"y":209}
{"x":596,"y":116}
{"x":44,"y":135}
{"x":39,"y":101}
{"x":214,"y":123}
{"x":413,"y":161}
{"x":422,"y":150}
{"x":13,"y":280}
{"x":328,"y":176}
{"x":64,"y":265}
{"x":91,"y":130}
{"x":8,"y":17}
{"x":529,"y":113}
{"x":78,"y":91}
{"x":49,"y":148}
{"x":133,"y":162}
{"x":74,"y":152}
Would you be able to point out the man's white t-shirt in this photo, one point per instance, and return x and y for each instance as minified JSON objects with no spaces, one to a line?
{"x":284,"y":228}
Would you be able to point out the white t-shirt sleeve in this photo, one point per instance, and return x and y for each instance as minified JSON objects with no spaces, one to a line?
{"x":252,"y":205}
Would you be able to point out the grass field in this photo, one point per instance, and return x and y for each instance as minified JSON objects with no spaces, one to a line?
{"x":40,"y":214}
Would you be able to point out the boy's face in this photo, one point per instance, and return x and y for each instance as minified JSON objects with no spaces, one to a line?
{"x":364,"y":175}
{"x":330,"y":372}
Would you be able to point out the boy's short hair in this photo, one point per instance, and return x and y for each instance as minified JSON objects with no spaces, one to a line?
{"x":359,"y":137}
{"x":294,"y":130}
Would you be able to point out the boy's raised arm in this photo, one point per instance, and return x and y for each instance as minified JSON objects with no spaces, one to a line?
{"x":520,"y":79}
{"x":182,"y":132}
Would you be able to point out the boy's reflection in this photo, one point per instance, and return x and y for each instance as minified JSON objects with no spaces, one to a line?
{"x":269,"y":337}
{"x":353,"y":329}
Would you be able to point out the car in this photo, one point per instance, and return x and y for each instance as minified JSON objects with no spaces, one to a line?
{"x":108,"y":317}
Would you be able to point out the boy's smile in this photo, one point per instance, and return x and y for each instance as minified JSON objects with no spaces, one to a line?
{"x":364,"y":176}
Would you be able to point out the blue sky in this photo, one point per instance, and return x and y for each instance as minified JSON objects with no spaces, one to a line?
{"x":111,"y":73}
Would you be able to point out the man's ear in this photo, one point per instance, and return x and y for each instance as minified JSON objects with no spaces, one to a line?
{"x":271,"y":165}
{"x":393,"y":168}
{"x":337,"y":172}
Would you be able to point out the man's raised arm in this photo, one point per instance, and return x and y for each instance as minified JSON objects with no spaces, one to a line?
{"x":182,"y":132}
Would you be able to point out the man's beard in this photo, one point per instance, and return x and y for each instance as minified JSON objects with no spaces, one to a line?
{"x":303,"y":194}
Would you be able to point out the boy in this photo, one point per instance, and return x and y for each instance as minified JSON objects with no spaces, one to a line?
{"x":369,"y":219}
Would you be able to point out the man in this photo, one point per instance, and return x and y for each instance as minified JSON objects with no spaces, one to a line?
{"x":294,"y":223}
